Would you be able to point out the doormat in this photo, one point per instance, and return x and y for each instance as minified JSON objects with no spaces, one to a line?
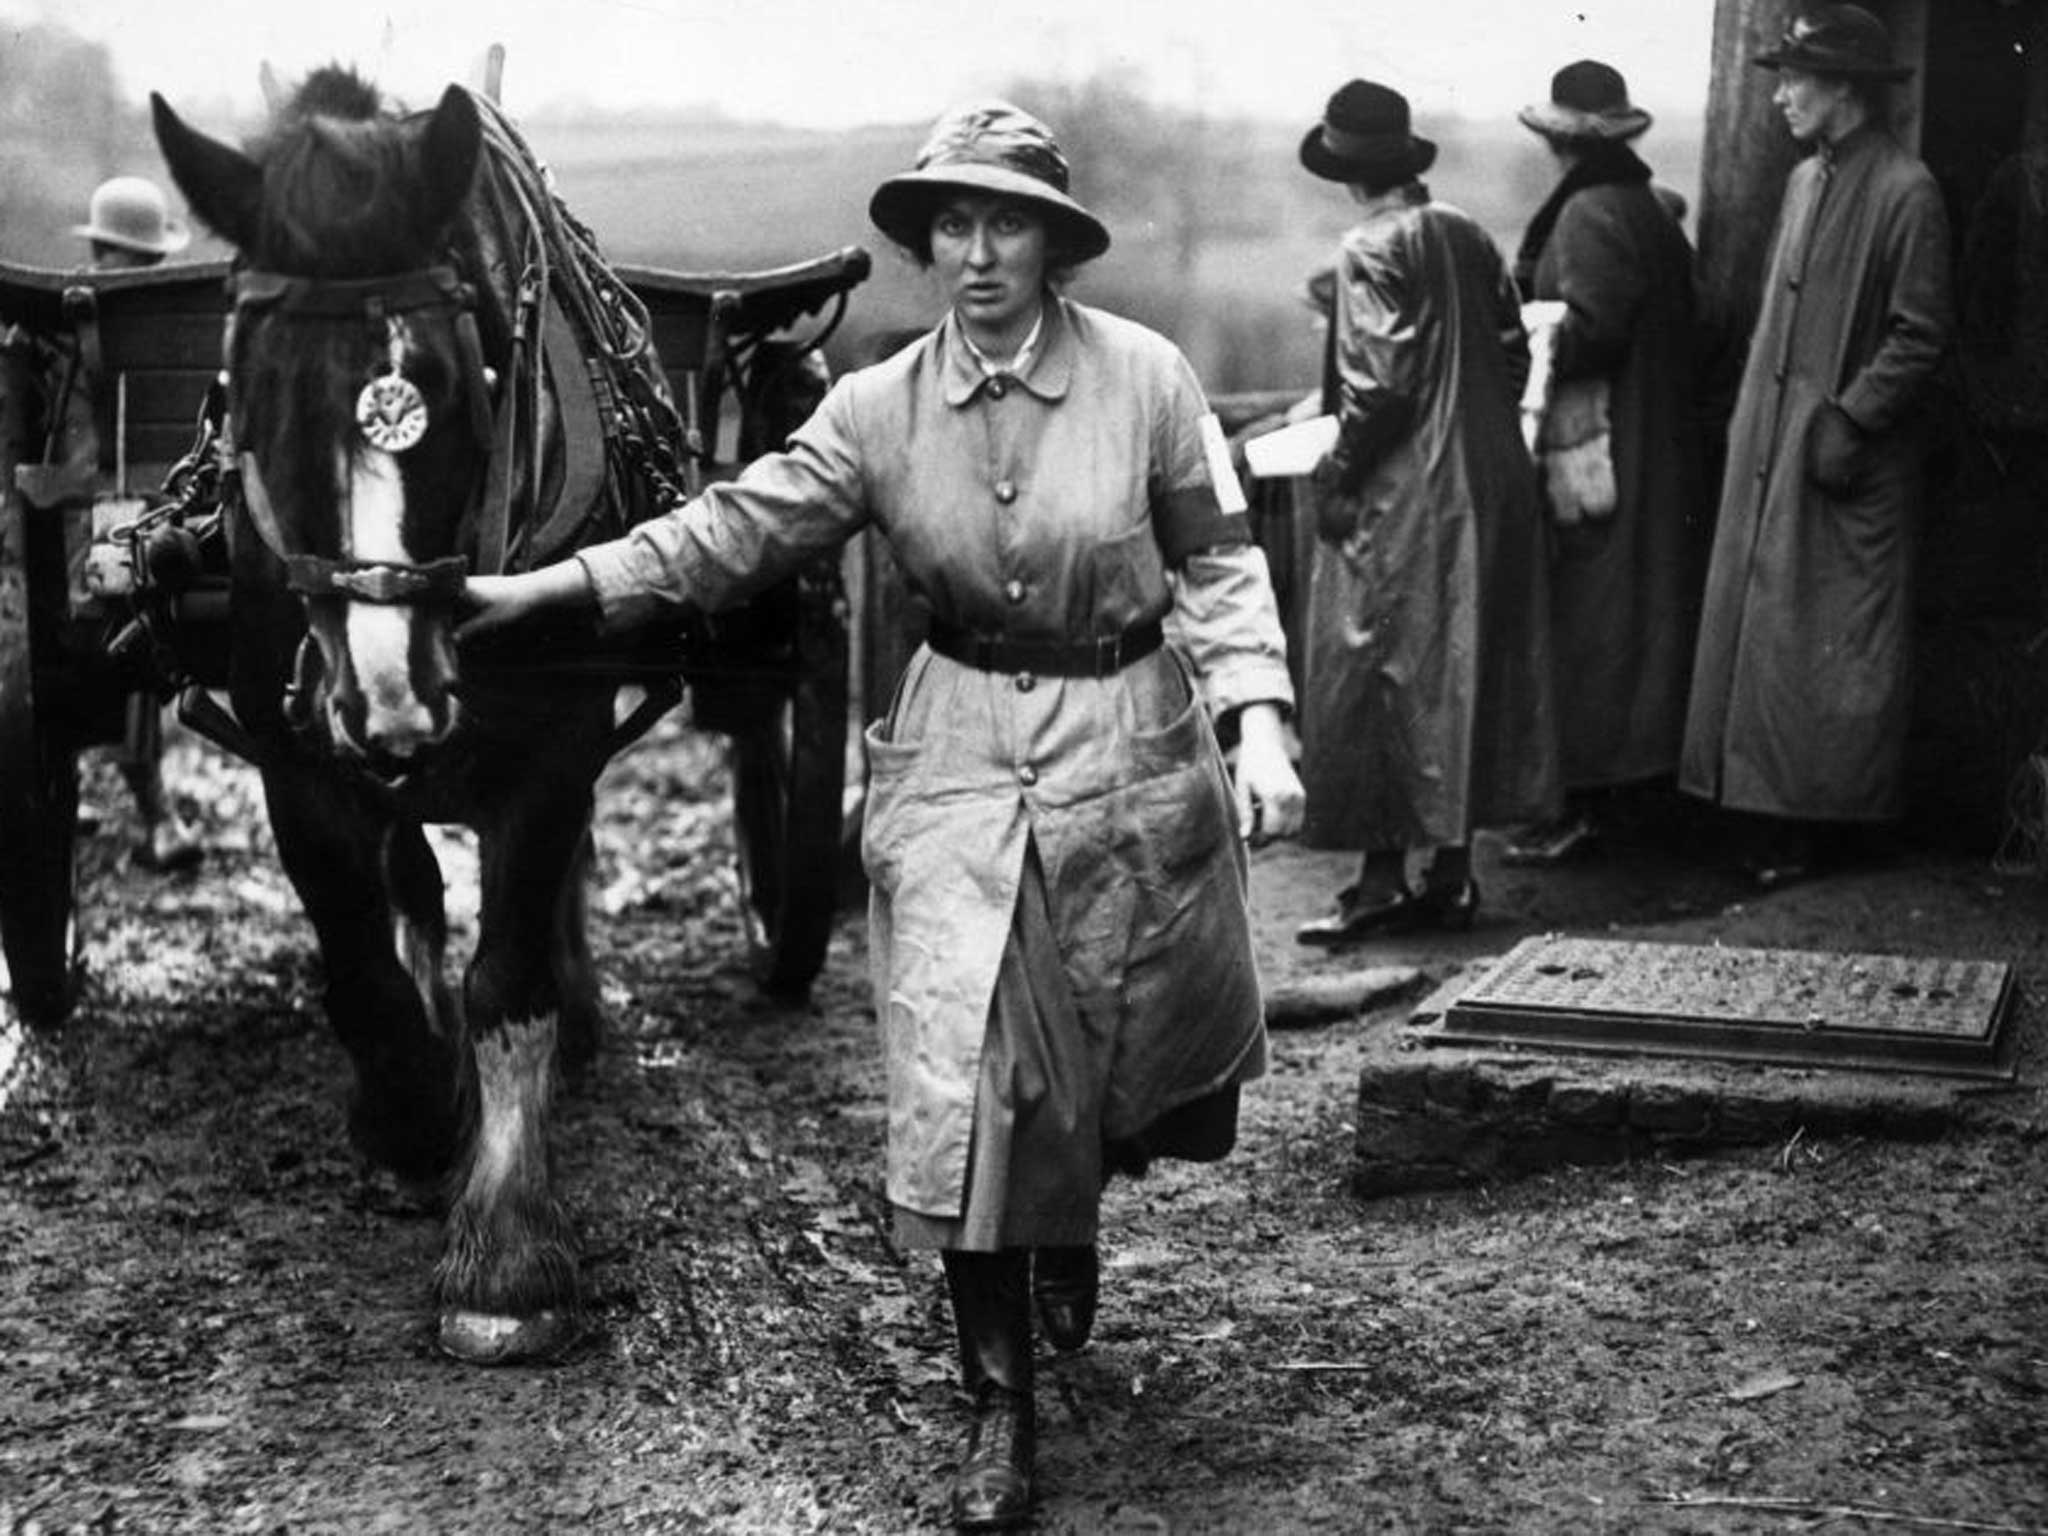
{"x":1803,"y":1007}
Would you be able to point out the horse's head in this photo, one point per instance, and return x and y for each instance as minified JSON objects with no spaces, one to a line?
{"x":358,"y":396}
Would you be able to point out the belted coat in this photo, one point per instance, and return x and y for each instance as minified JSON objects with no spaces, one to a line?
{"x":1800,"y":686}
{"x":1077,"y":499}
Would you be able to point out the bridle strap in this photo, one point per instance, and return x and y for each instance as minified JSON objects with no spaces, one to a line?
{"x":392,"y":583}
{"x":377,"y":581}
{"x":394,"y":293}
{"x":376,"y":299}
{"x":256,"y":500}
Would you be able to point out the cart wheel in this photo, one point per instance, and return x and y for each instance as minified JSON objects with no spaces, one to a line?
{"x":788,"y":772}
{"x":38,"y":779}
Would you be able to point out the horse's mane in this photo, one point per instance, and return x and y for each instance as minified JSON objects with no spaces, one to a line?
{"x":339,"y":174}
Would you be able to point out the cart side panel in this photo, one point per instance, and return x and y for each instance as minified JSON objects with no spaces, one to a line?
{"x":158,"y":343}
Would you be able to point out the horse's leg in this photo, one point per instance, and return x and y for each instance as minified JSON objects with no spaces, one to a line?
{"x":419,"y":916}
{"x":341,"y":850}
{"x":575,"y":972}
{"x":508,"y":1275}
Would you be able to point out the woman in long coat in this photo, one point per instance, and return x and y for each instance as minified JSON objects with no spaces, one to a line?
{"x":1624,"y":580}
{"x":1427,"y":706}
{"x":1800,"y":690}
{"x":1059,"y":932}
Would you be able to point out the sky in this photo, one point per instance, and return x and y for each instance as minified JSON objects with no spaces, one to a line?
{"x":841,"y":63}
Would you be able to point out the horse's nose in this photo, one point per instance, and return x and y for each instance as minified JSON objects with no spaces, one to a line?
{"x":405,"y":729}
{"x":403,"y":674}
{"x":390,"y":742}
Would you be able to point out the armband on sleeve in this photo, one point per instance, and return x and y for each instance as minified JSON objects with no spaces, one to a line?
{"x":1188,"y":520}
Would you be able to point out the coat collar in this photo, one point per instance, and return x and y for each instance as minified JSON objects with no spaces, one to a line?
{"x":1850,"y":146}
{"x":1047,"y":375}
{"x":1395,"y":200}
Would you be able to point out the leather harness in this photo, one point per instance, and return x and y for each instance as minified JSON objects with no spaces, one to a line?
{"x":489,"y":529}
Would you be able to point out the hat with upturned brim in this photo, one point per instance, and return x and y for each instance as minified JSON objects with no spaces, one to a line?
{"x":1588,"y":104}
{"x":1365,"y":137}
{"x":130,"y":212}
{"x":1844,"y":41}
{"x":988,"y":147}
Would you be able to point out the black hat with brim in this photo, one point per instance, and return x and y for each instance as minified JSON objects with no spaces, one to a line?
{"x":1364,"y":136}
{"x":1844,"y":41}
{"x":990,"y":148}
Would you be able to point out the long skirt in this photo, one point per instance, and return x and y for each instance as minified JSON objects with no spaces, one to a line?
{"x":1038,"y":1158}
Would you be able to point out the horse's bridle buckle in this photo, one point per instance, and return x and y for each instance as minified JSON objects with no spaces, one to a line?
{"x":377,"y":581}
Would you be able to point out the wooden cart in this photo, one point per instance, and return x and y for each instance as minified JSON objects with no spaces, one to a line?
{"x":109,"y":587}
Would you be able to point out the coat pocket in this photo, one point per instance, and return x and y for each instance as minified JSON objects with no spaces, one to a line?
{"x":1169,"y":732}
{"x":883,"y":829}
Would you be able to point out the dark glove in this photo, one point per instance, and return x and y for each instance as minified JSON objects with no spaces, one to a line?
{"x":1336,"y":473}
{"x":1835,"y":448}
{"x":1335,"y":481}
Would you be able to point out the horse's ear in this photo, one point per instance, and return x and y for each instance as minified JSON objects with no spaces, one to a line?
{"x":223,"y":186}
{"x":448,"y":153}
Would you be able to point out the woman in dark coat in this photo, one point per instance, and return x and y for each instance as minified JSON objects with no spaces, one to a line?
{"x":1427,"y":681}
{"x":1801,"y":684}
{"x":1624,"y":581}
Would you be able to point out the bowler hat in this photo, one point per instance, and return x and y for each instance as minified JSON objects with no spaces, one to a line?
{"x":1588,"y":100}
{"x":990,"y":146}
{"x":130,"y":212}
{"x":1364,"y":136}
{"x":1840,"y":40}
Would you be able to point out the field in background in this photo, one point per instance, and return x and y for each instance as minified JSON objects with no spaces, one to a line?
{"x":1225,"y":285}
{"x":1213,"y":242}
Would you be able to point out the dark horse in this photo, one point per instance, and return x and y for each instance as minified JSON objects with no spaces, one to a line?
{"x":387,"y":399}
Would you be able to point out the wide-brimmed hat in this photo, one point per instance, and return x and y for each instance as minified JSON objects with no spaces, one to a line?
{"x":1841,"y":40}
{"x":130,"y":212}
{"x":1588,"y":100}
{"x":1365,"y":136}
{"x":990,"y":146}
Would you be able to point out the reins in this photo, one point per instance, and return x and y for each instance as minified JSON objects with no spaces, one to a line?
{"x":611,"y":336}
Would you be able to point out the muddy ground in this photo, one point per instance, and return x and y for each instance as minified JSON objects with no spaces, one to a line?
{"x":212,"y":1319}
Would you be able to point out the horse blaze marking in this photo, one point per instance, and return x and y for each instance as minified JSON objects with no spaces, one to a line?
{"x":1812,"y":1008}
{"x":379,"y":636}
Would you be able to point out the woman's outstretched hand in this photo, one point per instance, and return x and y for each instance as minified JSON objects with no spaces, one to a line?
{"x":1269,"y":794}
{"x":494,"y":603}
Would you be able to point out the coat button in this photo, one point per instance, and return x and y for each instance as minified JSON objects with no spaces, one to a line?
{"x":1792,"y":283}
{"x":1027,"y":775}
{"x":1013,"y":590}
{"x":1025,"y":683}
{"x":1006,"y":492}
{"x":997,"y":388}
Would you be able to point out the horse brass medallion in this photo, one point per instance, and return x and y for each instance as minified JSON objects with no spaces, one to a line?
{"x":392,"y":413}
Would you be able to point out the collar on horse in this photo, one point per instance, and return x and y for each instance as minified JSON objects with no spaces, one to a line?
{"x":375,"y":300}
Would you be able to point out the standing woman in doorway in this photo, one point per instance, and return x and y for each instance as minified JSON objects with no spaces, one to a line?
{"x":1059,"y":928}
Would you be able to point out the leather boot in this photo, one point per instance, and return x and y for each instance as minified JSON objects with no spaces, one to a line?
{"x":992,"y":1312}
{"x":1064,"y":1283}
